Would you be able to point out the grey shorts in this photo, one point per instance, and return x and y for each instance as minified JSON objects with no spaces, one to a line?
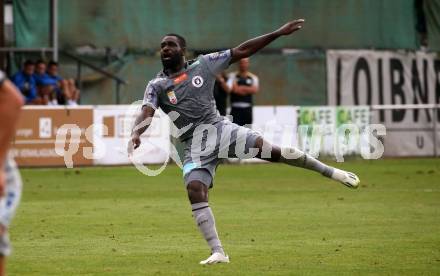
{"x":210,"y":144}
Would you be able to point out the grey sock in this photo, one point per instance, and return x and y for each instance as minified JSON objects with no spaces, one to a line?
{"x":306,"y":161}
{"x":206,"y":223}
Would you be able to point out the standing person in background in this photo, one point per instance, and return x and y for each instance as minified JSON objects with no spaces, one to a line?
{"x":10,"y":180}
{"x":221,"y":91}
{"x":242,"y":85}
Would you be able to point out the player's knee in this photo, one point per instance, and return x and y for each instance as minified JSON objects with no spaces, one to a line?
{"x":197,"y":192}
{"x":259,"y":143}
{"x":267,"y":151}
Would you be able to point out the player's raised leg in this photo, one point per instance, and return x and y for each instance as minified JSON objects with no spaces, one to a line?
{"x":297,"y":158}
{"x":202,"y":213}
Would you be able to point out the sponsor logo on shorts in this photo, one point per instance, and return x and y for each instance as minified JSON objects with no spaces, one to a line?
{"x":197,"y":81}
{"x":172,"y":97}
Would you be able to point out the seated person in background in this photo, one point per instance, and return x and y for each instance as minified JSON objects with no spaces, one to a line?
{"x":25,"y":82}
{"x":66,"y":91}
{"x":45,"y":84}
{"x":40,"y":71}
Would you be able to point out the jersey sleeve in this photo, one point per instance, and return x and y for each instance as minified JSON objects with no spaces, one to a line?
{"x":151,"y":97}
{"x":218,"y":61}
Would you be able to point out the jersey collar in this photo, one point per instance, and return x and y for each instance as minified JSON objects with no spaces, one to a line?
{"x":165,"y":74}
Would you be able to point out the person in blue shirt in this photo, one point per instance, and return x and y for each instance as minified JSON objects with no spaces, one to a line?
{"x":40,"y":71}
{"x":66,"y":91}
{"x":25,"y":82}
{"x":46,"y":85}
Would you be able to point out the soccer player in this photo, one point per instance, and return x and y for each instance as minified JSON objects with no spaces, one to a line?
{"x":183,"y":90}
{"x":10,"y":181}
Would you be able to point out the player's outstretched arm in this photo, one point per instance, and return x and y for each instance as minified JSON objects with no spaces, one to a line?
{"x":250,"y":47}
{"x":10,"y":105}
{"x":142,"y":122}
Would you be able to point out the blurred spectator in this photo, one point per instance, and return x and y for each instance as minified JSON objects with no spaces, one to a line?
{"x":40,"y":71}
{"x":242,"y":84}
{"x":25,"y":82}
{"x":66,"y":90}
{"x":221,"y":91}
{"x":45,"y":85}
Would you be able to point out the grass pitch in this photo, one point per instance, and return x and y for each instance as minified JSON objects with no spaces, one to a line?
{"x":272,"y":219}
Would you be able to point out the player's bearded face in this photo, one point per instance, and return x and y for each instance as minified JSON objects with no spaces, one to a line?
{"x":171,"y":60}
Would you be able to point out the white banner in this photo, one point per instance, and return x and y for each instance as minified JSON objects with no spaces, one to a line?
{"x":364,"y":77}
{"x":111,"y":148}
{"x":277,"y":124}
{"x":319,"y":129}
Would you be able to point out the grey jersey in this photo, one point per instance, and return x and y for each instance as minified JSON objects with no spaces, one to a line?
{"x":189,"y":92}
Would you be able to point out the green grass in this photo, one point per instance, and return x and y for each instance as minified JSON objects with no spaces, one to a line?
{"x":272,"y":220}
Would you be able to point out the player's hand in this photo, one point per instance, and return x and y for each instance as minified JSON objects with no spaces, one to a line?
{"x":136,"y":140}
{"x":290,"y":27}
{"x":2,"y":183}
{"x":134,"y":143}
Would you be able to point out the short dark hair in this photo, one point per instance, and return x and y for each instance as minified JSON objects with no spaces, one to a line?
{"x":40,"y":61}
{"x":52,"y":63}
{"x":181,"y":39}
{"x":28,"y":62}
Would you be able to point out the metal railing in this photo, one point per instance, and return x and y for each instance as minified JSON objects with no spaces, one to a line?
{"x":80,"y":62}
{"x":433,"y":107}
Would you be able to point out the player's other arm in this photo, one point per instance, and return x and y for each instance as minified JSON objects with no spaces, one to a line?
{"x":141,"y":124}
{"x":11,"y":102}
{"x":250,"y":47}
{"x":143,"y":120}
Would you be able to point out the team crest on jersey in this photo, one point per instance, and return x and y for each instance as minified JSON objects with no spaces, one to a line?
{"x":172,"y":97}
{"x":197,"y":81}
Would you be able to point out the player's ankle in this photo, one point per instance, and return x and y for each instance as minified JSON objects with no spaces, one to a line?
{"x":218,"y":249}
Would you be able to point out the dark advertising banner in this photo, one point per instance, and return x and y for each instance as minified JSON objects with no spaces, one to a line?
{"x":366,"y":77}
